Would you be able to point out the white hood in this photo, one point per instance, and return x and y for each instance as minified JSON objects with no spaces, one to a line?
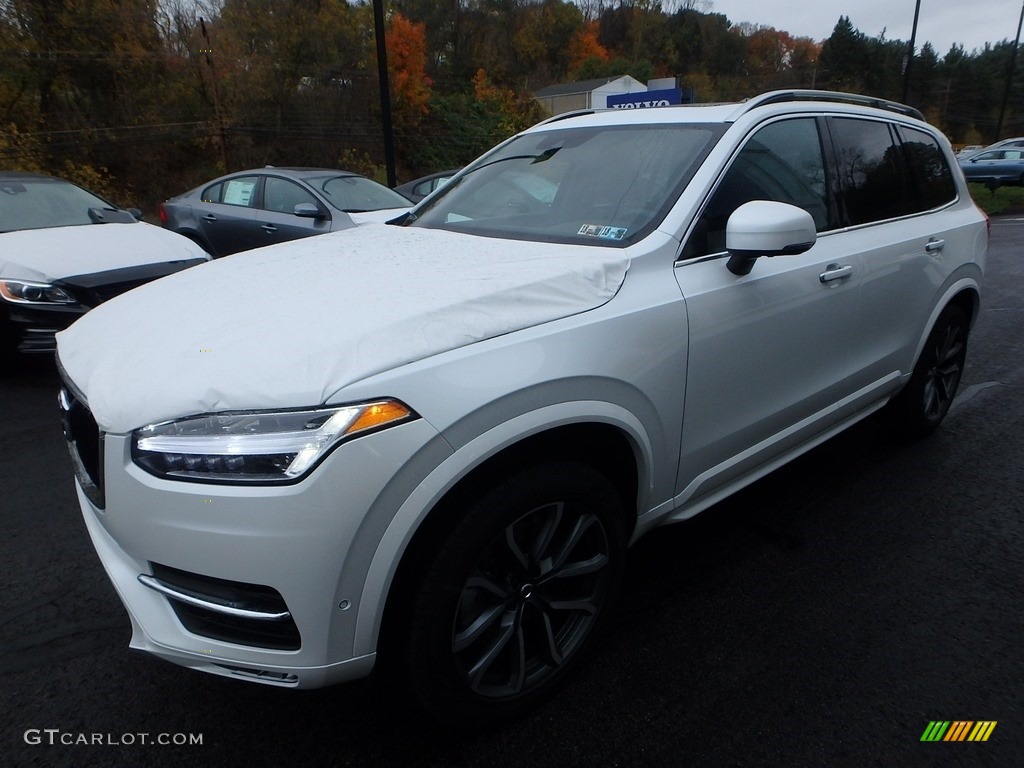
{"x":59,"y":252}
{"x":290,"y":325}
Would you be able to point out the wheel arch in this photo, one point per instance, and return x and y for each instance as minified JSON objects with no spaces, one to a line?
{"x":617,"y":448}
{"x":195,"y":237}
{"x":964,"y":293}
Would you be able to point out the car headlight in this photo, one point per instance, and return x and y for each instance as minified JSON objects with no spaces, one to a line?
{"x":31,"y":292}
{"x":256,"y":446}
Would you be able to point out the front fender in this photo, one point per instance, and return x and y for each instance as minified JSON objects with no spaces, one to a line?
{"x":417,"y":507}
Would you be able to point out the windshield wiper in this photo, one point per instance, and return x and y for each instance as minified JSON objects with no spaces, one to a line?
{"x":544,"y":156}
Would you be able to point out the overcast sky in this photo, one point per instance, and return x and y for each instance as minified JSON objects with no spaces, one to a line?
{"x":971,"y":23}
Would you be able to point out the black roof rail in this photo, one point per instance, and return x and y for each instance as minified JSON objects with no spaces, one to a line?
{"x":567,"y":115}
{"x":779,"y":97}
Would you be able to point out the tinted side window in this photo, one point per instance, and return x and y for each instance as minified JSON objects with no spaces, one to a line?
{"x":872,"y":170}
{"x":212,"y":193}
{"x":929,"y":171}
{"x":781,"y":162}
{"x":282,"y":195}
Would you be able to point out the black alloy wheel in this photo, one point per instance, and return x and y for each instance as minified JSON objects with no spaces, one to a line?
{"x":927,"y":398}
{"x":514,"y":596}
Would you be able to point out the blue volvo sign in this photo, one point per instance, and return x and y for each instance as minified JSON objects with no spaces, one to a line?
{"x":646,"y":99}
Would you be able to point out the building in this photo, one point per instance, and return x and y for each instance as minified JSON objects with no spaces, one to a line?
{"x":586,"y":94}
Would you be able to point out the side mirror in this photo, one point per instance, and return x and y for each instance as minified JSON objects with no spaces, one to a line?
{"x":766,"y":228}
{"x":306,"y":211}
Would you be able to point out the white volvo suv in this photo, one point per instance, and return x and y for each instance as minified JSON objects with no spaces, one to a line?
{"x":426,"y":445}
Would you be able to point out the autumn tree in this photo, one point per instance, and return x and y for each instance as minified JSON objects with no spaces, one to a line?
{"x":515,"y":113}
{"x":138,"y":96}
{"x":584,"y":45}
{"x":544,"y":34}
{"x":410,"y":86}
{"x":803,"y":62}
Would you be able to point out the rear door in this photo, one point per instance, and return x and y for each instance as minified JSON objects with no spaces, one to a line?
{"x":771,"y":354}
{"x":227,"y":215}
{"x":896,"y":181}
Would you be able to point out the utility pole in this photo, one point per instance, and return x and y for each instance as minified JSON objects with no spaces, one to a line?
{"x":385,"y":91}
{"x":221,"y":132}
{"x":910,"y":53}
{"x":1009,"y":76}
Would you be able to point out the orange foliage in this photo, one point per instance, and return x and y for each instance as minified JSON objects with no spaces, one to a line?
{"x":584,"y":45}
{"x":805,"y":51}
{"x":484,"y":90}
{"x":768,"y":50}
{"x":407,"y":62}
{"x":514,"y":113}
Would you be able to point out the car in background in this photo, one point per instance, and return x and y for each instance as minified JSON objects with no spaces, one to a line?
{"x":995,"y":166}
{"x":1011,"y":143}
{"x":56,"y":263}
{"x":264,"y":206}
{"x":967,"y":151}
{"x":419,"y":188}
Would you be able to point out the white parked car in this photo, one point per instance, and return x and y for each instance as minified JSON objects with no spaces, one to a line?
{"x":428,"y":445}
{"x":64,"y":250}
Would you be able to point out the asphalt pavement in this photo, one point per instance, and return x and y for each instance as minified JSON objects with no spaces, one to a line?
{"x":822,"y":617}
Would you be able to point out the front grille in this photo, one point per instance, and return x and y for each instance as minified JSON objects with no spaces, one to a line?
{"x":280,"y":634}
{"x":101,"y":293}
{"x":85,"y":443}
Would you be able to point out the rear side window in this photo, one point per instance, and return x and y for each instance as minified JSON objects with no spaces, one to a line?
{"x":929,"y":172}
{"x":239,"y":191}
{"x":872,"y":170}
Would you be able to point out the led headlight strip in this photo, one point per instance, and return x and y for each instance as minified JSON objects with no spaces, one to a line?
{"x":256,"y":446}
{"x":31,"y":292}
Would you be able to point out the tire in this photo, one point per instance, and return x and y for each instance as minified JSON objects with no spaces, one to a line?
{"x":925,"y":401}
{"x":509,"y":605}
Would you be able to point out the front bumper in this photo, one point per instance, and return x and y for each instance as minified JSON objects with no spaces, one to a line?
{"x":32,"y":327}
{"x":311,"y":544}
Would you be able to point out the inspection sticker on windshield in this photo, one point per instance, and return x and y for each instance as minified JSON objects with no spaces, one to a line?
{"x":605,"y":233}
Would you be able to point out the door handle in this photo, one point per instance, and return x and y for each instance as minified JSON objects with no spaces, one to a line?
{"x":934,"y":246}
{"x":835,"y":272}
{"x":209,"y":217}
{"x":268,"y":228}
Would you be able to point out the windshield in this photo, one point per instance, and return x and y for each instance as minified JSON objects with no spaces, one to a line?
{"x":28,"y":203}
{"x":607,"y":185}
{"x":357,"y":194}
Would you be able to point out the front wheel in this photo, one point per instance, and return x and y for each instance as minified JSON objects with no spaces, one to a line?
{"x":925,"y":401}
{"x":515,"y":594}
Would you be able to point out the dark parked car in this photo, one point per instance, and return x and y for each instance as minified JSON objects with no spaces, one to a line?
{"x":271,"y":205}
{"x":419,"y":188}
{"x":55,"y":264}
{"x":1001,"y":166}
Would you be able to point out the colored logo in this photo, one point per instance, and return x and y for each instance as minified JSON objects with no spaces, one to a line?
{"x":959,"y":730}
